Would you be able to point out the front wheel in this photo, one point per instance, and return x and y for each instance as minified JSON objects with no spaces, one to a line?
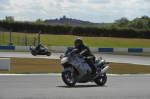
{"x":33,"y":53}
{"x":69,"y":78}
{"x":101,"y":80}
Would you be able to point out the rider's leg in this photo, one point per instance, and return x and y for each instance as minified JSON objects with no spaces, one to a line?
{"x":90,"y":62}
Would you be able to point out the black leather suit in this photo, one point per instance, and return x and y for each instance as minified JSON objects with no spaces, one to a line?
{"x":90,"y":58}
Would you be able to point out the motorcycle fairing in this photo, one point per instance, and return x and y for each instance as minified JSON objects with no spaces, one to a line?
{"x":82,"y":67}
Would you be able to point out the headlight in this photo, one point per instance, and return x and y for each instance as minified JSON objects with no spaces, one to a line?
{"x":64,"y":60}
{"x":32,"y":47}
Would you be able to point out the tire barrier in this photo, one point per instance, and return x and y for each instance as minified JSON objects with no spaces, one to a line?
{"x":93,"y":49}
{"x":15,"y":48}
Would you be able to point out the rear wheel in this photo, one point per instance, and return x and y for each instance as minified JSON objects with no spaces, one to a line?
{"x":101,"y":80}
{"x":69,"y":78}
{"x":49,"y":54}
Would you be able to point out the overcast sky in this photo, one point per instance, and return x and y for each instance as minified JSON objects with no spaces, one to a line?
{"x":87,"y":10}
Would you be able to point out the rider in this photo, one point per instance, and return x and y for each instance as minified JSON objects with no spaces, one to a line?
{"x":83,"y":50}
{"x":38,"y":47}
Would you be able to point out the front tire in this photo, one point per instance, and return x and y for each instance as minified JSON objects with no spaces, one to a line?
{"x":33,"y":53}
{"x":101,"y":80}
{"x":69,"y":78}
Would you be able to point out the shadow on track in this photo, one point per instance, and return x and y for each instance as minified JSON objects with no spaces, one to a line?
{"x":81,"y":86}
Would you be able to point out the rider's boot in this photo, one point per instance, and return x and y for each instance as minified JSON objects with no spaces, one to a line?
{"x":96,"y":72}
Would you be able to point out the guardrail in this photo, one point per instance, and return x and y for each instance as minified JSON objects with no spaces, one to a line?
{"x":15,"y":48}
{"x":93,"y":49}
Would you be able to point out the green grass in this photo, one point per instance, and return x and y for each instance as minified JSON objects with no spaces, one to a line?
{"x":67,"y":40}
{"x":36,"y":65}
{"x":24,"y":65}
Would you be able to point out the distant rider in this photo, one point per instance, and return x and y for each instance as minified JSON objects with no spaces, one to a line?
{"x":38,"y":48}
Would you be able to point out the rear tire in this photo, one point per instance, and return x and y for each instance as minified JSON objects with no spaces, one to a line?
{"x":101,"y":80}
{"x":68,"y":78}
{"x":49,"y":54}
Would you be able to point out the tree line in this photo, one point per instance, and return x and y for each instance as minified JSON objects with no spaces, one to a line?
{"x":139,"y":23}
{"x":137,"y":28}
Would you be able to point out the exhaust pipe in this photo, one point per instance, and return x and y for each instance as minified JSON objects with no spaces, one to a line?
{"x":102,"y":71}
{"x":105,"y":69}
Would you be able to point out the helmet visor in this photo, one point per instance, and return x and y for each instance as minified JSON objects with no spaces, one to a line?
{"x":76,"y":44}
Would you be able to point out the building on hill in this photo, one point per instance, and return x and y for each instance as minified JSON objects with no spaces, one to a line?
{"x":68,"y":21}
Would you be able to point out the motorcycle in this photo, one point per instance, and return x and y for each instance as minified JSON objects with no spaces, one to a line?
{"x":41,"y":51}
{"x":75,"y":69}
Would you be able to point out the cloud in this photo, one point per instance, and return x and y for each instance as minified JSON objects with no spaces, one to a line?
{"x":88,"y":10}
{"x":3,"y":4}
{"x":147,"y":1}
{"x":99,"y":1}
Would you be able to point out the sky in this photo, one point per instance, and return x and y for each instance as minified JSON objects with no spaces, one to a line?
{"x":96,"y":11}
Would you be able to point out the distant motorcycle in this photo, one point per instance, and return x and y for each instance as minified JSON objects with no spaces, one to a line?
{"x":77,"y":70}
{"x":41,"y":51}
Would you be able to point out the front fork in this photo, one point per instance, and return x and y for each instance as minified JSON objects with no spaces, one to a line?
{"x":71,"y":70}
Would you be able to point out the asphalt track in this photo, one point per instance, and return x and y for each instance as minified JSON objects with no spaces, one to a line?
{"x":51,"y":86}
{"x":143,"y":60}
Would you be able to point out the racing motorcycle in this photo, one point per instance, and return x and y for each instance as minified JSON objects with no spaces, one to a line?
{"x":42,"y":51}
{"x":75,"y":69}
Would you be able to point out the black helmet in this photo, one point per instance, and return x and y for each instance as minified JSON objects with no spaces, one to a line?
{"x":40,"y":44}
{"x":78,"y":42}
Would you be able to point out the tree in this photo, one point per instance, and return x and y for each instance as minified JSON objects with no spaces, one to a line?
{"x":139,"y":23}
{"x":122,"y":22}
{"x":145,"y":17}
{"x":148,"y":23}
{"x":9,"y":19}
{"x":113,"y":25}
{"x":39,"y":21}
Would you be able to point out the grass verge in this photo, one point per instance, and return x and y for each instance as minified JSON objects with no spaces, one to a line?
{"x":67,"y":40}
{"x":37,"y":65}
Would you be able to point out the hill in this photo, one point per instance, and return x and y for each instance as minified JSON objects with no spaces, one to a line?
{"x":73,"y":22}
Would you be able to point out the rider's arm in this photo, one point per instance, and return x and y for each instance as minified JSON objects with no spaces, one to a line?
{"x":83,"y":52}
